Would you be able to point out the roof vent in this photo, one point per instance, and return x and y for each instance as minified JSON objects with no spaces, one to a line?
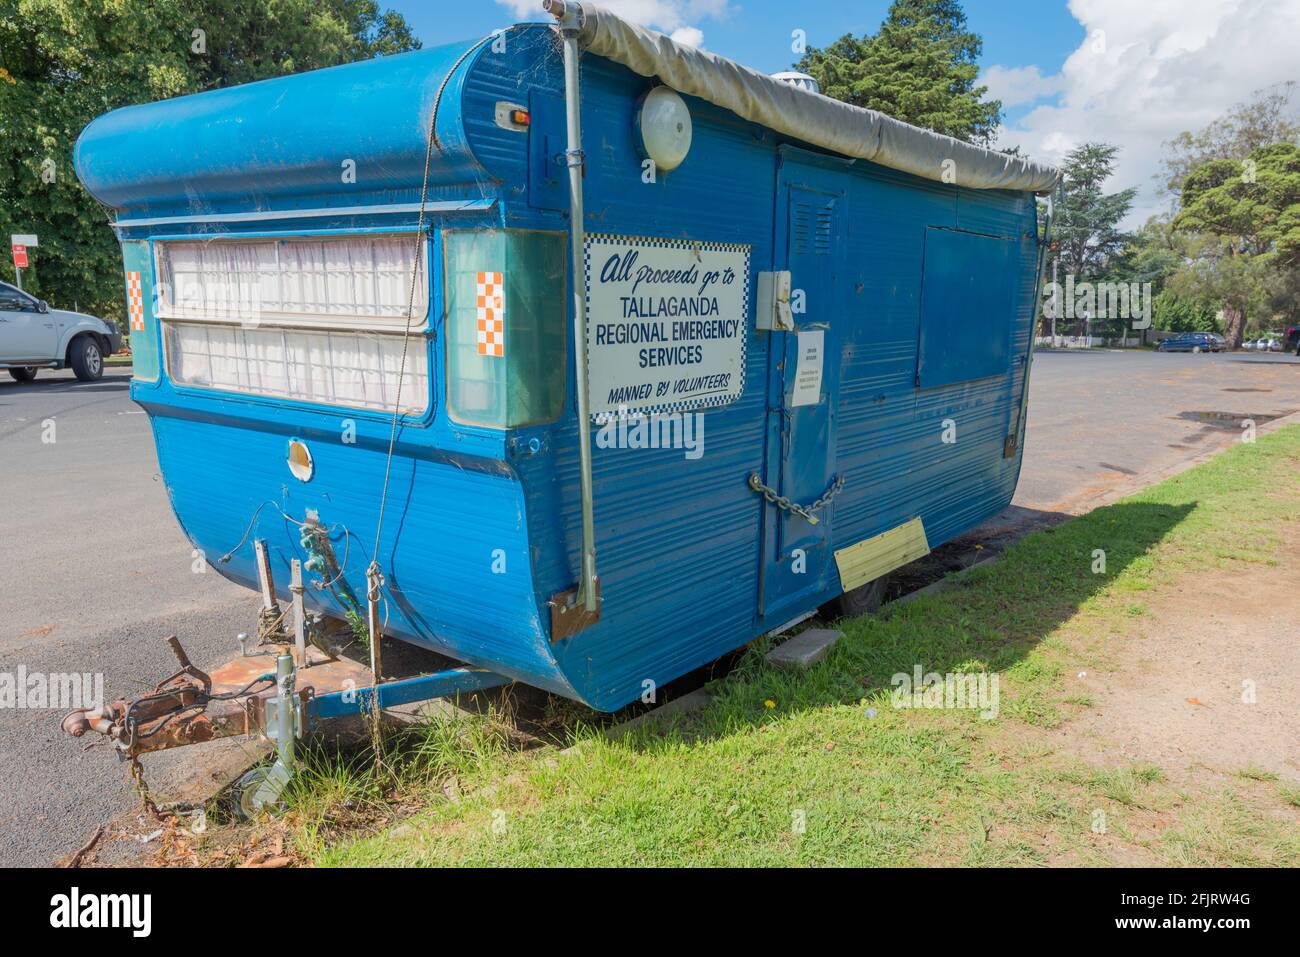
{"x":801,"y":80}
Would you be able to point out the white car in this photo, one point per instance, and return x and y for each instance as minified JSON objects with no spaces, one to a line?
{"x":33,"y":336}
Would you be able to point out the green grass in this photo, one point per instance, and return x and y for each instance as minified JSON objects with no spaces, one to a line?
{"x":833,"y":773}
{"x":1257,"y":774}
{"x":341,"y":792}
{"x":1230,"y":831}
{"x":360,"y":630}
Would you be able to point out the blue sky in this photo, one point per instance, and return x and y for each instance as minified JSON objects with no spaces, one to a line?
{"x":1134,"y":73}
{"x":757,"y":32}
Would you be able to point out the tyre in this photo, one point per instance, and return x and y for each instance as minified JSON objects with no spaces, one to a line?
{"x":25,"y":374}
{"x":863,"y":600}
{"x":1195,"y":349}
{"x":87,"y":359}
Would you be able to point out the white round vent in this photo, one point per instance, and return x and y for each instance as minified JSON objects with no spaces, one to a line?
{"x":665,"y":126}
{"x":801,"y":80}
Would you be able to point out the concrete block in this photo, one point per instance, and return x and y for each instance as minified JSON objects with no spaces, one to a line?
{"x":805,"y":649}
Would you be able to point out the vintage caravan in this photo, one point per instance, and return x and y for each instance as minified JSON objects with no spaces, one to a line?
{"x":588,"y":356}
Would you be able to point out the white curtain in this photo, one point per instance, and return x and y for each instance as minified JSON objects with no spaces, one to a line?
{"x":359,"y":281}
{"x":333,"y":368}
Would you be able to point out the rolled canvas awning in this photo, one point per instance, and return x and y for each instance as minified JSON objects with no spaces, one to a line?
{"x":811,"y":117}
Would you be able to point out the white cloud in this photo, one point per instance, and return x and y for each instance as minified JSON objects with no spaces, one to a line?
{"x":689,"y":36}
{"x":674,"y":17}
{"x":1018,"y":85}
{"x":1149,"y":70}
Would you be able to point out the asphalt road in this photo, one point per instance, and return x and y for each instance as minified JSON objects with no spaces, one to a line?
{"x":94,"y":571}
{"x":1100,"y":420}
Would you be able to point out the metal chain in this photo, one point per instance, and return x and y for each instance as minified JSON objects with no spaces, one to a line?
{"x":142,"y":789}
{"x":783,"y":503}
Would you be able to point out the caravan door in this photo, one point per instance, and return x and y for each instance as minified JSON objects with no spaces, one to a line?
{"x":803,"y":382}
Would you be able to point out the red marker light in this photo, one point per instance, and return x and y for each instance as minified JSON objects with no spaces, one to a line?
{"x":520,"y":117}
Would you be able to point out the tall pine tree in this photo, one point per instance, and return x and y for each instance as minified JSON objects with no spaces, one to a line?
{"x":921,"y":68}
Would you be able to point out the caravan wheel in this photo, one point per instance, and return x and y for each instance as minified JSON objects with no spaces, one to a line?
{"x":246,"y":804}
{"x":863,"y":600}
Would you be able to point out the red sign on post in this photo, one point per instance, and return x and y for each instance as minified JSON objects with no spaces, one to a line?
{"x":20,"y":256}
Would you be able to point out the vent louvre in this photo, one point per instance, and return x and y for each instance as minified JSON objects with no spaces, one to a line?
{"x":812,"y":227}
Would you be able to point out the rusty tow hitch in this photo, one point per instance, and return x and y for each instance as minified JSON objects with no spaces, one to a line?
{"x":182,"y":709}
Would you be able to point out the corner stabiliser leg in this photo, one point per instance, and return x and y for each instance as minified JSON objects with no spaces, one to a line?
{"x":569,"y":614}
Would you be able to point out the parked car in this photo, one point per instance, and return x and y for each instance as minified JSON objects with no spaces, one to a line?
{"x":33,"y":336}
{"x":1269,"y":342}
{"x":1192,"y":342}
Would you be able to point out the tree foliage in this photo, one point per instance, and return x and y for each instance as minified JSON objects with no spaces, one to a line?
{"x":921,"y":68}
{"x":1269,"y":117}
{"x":1087,"y":222}
{"x":1247,"y":216}
{"x":1239,"y":284}
{"x":65,"y":62}
{"x":1254,"y":203}
{"x":1175,"y":313}
{"x":1238,"y":187}
{"x":1154,"y":252}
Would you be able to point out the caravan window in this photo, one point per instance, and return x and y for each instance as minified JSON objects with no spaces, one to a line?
{"x":506,"y":304}
{"x":353,"y":282}
{"x":315,"y":319}
{"x":334,"y":368}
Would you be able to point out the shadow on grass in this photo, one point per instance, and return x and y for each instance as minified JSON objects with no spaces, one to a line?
{"x":990,"y":619}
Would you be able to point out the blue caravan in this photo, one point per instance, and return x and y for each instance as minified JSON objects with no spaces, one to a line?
{"x":571,"y":353}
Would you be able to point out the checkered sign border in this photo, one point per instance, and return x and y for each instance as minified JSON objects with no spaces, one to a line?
{"x":655,"y":242}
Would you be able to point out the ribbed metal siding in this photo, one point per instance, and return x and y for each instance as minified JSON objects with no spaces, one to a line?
{"x":678,"y":541}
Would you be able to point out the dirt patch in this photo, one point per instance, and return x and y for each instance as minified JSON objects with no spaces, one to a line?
{"x":1180,"y":695}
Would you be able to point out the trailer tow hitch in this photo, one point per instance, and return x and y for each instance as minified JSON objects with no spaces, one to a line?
{"x":259,"y":692}
{"x":279,"y":693}
{"x":182,"y":709}
{"x":191,"y":707}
